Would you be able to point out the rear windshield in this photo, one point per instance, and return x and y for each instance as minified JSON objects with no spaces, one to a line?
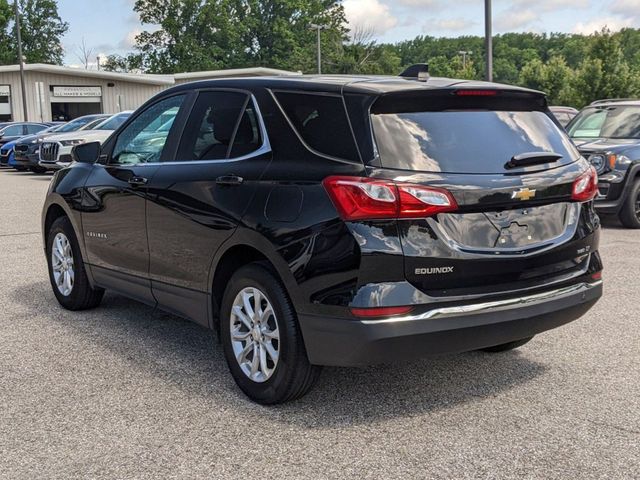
{"x":607,"y":122}
{"x":466,"y":141}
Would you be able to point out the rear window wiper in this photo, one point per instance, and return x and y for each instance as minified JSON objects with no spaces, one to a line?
{"x":532,"y":158}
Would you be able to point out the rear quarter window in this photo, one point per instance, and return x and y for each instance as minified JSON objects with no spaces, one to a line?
{"x":321,"y":121}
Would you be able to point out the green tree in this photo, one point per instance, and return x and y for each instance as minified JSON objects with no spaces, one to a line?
{"x":42,"y":30}
{"x":210,"y":34}
{"x":124,"y":64}
{"x":362,"y":55}
{"x":553,"y":77}
{"x":6,"y":51}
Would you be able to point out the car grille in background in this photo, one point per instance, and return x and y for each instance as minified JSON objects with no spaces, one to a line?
{"x":21,"y":148}
{"x":49,"y":151}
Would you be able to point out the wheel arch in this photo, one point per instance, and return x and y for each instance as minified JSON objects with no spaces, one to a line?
{"x":55,"y":207}
{"x":248,"y":247}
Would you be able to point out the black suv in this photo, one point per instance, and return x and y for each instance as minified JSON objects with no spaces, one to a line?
{"x":607,"y":133}
{"x":333,"y":220}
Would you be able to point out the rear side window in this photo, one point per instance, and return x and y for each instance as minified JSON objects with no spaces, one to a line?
{"x":33,"y":128}
{"x":472,"y":141}
{"x":321,"y":121}
{"x":221,"y":125}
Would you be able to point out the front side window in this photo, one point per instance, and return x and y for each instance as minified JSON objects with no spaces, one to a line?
{"x":142,"y":141}
{"x":12,"y":130}
{"x":221,"y":125}
{"x":607,"y":122}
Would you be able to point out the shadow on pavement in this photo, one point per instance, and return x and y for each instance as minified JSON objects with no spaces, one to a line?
{"x":182,"y":353}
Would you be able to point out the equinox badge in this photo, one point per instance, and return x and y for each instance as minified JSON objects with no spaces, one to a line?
{"x":433,"y":270}
{"x":523,"y":194}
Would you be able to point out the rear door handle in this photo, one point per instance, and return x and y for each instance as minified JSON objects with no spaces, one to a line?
{"x":229,"y":180}
{"x":137,"y":181}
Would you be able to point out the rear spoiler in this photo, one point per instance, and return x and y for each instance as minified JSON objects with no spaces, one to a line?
{"x":457,"y":97}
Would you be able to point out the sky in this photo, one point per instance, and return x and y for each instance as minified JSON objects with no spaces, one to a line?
{"x":110,"y":26}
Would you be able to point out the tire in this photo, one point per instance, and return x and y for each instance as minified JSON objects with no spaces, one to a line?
{"x":505,"y":347}
{"x":80,"y":295}
{"x":630,"y":213}
{"x":291,"y":376}
{"x":38,"y":170}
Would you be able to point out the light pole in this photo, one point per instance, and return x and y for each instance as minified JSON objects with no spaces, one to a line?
{"x":488,"y":41}
{"x":318,"y":28}
{"x":21,"y":60}
{"x":465,"y":54}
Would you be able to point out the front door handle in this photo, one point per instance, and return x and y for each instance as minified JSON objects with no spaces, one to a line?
{"x":137,"y":181}
{"x":229,"y":180}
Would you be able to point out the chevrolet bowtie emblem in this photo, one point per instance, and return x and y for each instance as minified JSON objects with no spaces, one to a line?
{"x":523,"y":194}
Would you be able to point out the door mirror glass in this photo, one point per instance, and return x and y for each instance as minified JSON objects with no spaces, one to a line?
{"x":86,"y":152}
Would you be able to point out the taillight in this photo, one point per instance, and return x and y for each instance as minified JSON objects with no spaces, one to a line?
{"x":476,"y":93}
{"x":358,"y":198}
{"x":419,"y":201}
{"x":585,"y":187}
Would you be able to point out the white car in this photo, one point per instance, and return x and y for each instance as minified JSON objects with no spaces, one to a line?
{"x":55,"y":150}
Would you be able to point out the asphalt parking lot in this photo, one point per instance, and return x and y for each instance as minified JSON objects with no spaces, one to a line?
{"x":124,"y":391}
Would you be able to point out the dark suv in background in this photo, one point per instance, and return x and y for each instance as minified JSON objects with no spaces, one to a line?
{"x":607,"y":133}
{"x":333,"y":220}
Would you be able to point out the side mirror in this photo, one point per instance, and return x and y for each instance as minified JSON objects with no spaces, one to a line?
{"x":86,"y":152}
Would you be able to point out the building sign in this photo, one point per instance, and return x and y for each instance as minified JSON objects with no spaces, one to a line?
{"x":5,"y":91}
{"x":73,"y":91}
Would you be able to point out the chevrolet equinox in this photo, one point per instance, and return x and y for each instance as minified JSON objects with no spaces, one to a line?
{"x":333,"y":220}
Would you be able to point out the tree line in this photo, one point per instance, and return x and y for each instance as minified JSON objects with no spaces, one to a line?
{"x":191,"y":35}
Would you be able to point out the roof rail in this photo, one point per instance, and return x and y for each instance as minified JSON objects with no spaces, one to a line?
{"x":609,"y":100}
{"x":419,"y":71}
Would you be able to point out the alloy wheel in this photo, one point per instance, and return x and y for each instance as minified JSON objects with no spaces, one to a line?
{"x":255,"y":337}
{"x":62,"y":264}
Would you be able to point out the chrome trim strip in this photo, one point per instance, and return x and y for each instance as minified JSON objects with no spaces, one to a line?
{"x":489,"y":306}
{"x":264,"y":148}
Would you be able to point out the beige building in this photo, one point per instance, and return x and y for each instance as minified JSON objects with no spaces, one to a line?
{"x":62,"y":93}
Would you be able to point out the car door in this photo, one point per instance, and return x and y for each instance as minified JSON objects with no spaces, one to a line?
{"x":114,"y":202}
{"x":198,"y":198}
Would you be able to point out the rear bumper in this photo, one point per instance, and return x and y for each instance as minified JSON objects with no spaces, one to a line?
{"x":341,"y":342}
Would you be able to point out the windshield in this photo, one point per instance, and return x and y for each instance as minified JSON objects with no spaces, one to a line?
{"x":114,"y":122}
{"x":473,"y":141}
{"x":621,"y":121}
